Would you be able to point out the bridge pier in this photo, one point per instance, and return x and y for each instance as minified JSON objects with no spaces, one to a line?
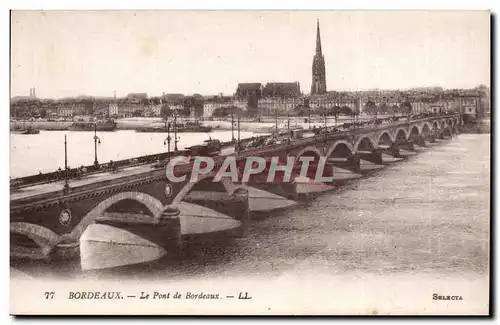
{"x":240,"y":211}
{"x":287,"y":190}
{"x":351,"y":162}
{"x":375,"y":156}
{"x":164,"y":232}
{"x":421,"y":141}
{"x":440,"y":135}
{"x":393,"y":150}
{"x":235,"y":205}
{"x":406,"y":145}
{"x":431,"y":138}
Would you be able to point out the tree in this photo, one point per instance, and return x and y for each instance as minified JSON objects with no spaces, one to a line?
{"x":137,"y":113}
{"x":395,"y":109}
{"x":406,"y":107}
{"x":370,"y":107}
{"x":165,"y":111}
{"x":346,"y":110}
{"x":383,"y":108}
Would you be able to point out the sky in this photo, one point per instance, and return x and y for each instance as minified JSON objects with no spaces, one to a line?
{"x":94,"y":53}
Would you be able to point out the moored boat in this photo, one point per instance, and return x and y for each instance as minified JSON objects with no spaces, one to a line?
{"x":108,"y":125}
{"x":26,"y":131}
{"x":193,"y":127}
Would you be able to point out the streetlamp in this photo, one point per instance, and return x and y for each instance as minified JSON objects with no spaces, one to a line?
{"x":288,"y":124}
{"x":232,"y":127}
{"x":66,"y":184}
{"x":168,"y":139}
{"x":96,"y":141}
{"x":309,"y":116}
{"x":176,"y":139}
{"x":276,"y":119}
{"x":239,"y":147}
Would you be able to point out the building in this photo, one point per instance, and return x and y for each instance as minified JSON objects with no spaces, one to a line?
{"x":137,"y":96}
{"x":70,"y":109}
{"x":470,"y":104}
{"x":214,"y":103}
{"x":153,"y":110}
{"x":269,"y":105}
{"x":113,"y":109}
{"x":318,"y":85}
{"x":281,"y":89}
{"x":247,"y":90}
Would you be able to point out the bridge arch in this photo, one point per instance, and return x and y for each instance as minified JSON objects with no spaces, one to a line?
{"x":313,"y":149}
{"x":153,"y":204}
{"x":443,"y":125}
{"x":340,"y":148}
{"x":385,"y":138}
{"x":426,"y":130}
{"x":435,"y":125}
{"x":450,"y":122}
{"x":414,"y":132}
{"x":45,"y":238}
{"x":456,"y":121}
{"x":229,"y":186}
{"x":401,"y":134}
{"x":365,"y":144}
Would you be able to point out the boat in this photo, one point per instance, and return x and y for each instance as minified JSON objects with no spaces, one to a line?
{"x":30,"y":130}
{"x":108,"y":125}
{"x":181,"y":127}
{"x":208,"y":148}
{"x":25,"y":130}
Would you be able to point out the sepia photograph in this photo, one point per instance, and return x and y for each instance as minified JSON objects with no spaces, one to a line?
{"x":250,"y":162}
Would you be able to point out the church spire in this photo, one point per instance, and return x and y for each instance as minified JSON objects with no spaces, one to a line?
{"x":318,"y":39}
{"x":318,"y":85}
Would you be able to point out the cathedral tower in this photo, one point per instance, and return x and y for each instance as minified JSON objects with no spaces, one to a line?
{"x":318,"y":85}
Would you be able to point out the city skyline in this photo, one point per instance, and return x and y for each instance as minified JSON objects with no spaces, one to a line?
{"x":73,"y":53}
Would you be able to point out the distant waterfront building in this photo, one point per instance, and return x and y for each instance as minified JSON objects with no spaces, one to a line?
{"x":281,"y":89}
{"x":69,"y":109}
{"x":330,"y":101}
{"x":113,"y":109}
{"x":318,"y":85}
{"x":213,"y":103}
{"x":471,"y":104}
{"x":246,"y":90}
{"x":269,"y":105}
{"x":137,"y":96}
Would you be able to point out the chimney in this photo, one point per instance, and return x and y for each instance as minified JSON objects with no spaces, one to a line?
{"x":31,"y":92}
{"x":34,"y":95}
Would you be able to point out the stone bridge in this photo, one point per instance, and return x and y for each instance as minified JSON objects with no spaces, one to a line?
{"x":47,"y":221}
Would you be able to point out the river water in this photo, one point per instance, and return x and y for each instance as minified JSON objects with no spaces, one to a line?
{"x":44,"y":152}
{"x":385,"y":242}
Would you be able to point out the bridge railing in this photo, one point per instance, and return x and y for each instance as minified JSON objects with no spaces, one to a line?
{"x":75,"y":173}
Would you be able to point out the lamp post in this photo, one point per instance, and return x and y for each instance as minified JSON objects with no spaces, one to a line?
{"x":168,"y":139}
{"x":66,"y":184}
{"x":232,"y":127}
{"x":288,"y":123}
{"x":96,"y":141}
{"x":239,"y":147}
{"x":276,"y":119}
{"x":325,"y":123}
{"x":309,"y":116}
{"x":176,"y":139}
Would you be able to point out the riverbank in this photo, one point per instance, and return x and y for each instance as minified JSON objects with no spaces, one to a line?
{"x":133,"y":123}
{"x":41,"y":125}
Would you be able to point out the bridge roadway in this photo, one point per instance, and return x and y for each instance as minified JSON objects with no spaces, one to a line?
{"x":42,"y":193}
